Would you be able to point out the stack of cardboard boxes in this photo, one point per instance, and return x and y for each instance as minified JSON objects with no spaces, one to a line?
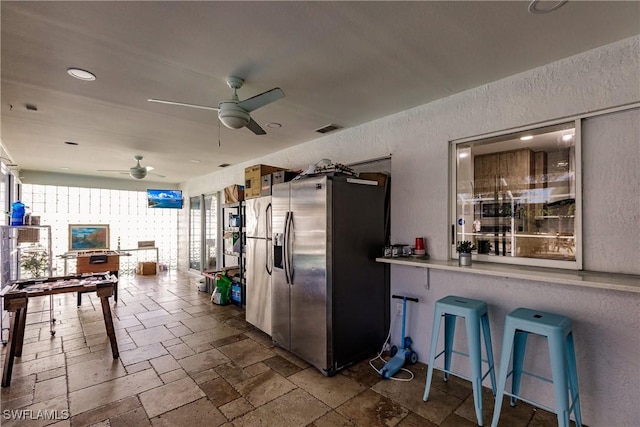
{"x":258,"y":180}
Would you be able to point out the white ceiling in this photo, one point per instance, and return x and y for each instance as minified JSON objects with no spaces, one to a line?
{"x":337,"y":62}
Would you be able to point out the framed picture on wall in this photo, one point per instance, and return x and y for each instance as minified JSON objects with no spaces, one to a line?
{"x":84,"y":237}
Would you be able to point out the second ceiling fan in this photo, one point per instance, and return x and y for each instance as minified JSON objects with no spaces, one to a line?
{"x":233,"y":113}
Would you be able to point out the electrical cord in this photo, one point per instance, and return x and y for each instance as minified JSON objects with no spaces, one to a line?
{"x":379,"y":356}
{"x":533,"y":7}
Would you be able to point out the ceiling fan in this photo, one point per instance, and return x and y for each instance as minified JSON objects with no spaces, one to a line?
{"x":137,"y":171}
{"x":234,"y":113}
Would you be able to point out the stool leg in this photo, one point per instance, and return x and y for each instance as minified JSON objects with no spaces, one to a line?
{"x":489,"y":350}
{"x":558,"y":356}
{"x":505,"y":356}
{"x":519,"y":348}
{"x":432,"y":353}
{"x":449,"y":332}
{"x":475,"y":359}
{"x":573,"y":379}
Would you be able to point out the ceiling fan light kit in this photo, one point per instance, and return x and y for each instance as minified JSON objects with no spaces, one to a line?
{"x":138,"y":172}
{"x":232,"y":116}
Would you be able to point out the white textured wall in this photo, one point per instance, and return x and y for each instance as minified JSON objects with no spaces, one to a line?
{"x":606,"y":323}
{"x":611,"y":159}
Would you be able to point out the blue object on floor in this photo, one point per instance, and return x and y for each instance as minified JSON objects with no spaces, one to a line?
{"x":475,"y":313}
{"x":558,"y":330}
{"x":404,"y":354}
{"x":236,"y":293}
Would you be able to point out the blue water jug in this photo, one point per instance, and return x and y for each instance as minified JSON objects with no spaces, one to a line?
{"x":17,"y":213}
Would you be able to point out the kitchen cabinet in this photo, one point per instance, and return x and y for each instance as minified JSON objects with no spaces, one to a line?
{"x":505,"y":171}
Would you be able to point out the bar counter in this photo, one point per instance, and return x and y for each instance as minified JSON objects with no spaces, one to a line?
{"x":590,"y":279}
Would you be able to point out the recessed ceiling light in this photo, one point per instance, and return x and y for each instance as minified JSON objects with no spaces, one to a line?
{"x":194,"y":161}
{"x":274,"y":125}
{"x":526,"y":138}
{"x":567,"y":137}
{"x":64,"y":168}
{"x":81,"y":74}
{"x":71,"y":143}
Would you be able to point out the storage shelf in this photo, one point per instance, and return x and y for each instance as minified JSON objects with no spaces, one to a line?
{"x":235,"y":254}
{"x":234,"y":229}
{"x":234,"y":258}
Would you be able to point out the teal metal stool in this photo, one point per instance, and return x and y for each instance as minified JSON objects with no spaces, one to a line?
{"x":518,"y":325}
{"x":476,"y":316}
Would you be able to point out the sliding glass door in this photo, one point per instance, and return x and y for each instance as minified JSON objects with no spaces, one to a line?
{"x":195,"y":233}
{"x":203,"y":232}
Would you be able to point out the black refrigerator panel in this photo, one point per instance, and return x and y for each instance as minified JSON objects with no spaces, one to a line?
{"x":359,"y":291}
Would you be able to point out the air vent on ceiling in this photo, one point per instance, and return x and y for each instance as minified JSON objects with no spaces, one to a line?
{"x":328,"y":128}
{"x":224,"y":165}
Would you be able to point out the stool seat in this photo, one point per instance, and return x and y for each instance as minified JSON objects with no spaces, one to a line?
{"x":539,"y":322}
{"x":559,"y":333}
{"x":475,"y":314}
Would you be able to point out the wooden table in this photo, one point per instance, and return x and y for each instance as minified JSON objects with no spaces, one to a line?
{"x":16,"y":299}
{"x":96,"y":261}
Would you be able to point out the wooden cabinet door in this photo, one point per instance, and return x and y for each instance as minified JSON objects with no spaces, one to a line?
{"x":516,"y":170}
{"x":485,"y":174}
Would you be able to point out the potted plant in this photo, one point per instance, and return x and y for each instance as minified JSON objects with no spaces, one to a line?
{"x":35,"y":263}
{"x":464,"y":249}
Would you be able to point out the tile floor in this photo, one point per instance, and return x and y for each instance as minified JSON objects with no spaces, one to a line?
{"x":184,"y":361}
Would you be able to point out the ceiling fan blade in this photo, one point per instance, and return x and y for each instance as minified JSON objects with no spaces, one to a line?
{"x":156,"y":174}
{"x":113,"y":170}
{"x":255,"y":127}
{"x":149,"y":168}
{"x":183,"y":104}
{"x":263,"y":99}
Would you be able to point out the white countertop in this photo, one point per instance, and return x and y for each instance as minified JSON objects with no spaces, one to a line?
{"x":590,"y":279}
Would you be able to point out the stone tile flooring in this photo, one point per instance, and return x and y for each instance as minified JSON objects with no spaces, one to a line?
{"x":186,"y":362}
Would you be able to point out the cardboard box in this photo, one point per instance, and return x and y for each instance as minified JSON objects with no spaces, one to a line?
{"x":282,"y":176}
{"x":265,"y":188}
{"x":379,"y":177}
{"x":147,"y":268}
{"x":28,"y":235}
{"x":253,"y":179}
{"x":234,"y":193}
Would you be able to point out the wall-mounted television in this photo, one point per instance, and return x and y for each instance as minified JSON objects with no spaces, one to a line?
{"x":170,"y":199}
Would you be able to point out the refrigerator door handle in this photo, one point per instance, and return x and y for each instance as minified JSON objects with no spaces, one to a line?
{"x":285,"y":255}
{"x":268,"y":264}
{"x":268,"y":216}
{"x":290,"y":236}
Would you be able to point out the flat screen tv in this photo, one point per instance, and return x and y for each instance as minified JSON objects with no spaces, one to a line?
{"x":170,"y":199}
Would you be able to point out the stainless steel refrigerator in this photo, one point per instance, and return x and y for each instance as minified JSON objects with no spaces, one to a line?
{"x":259,"y":262}
{"x":330,"y":297}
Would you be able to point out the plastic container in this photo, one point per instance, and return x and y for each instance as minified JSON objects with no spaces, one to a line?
{"x":17,"y":213}
{"x":236,"y":293}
